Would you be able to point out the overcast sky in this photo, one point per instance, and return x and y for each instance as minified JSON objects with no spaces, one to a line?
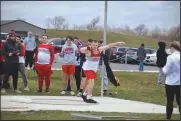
{"x":164,"y":14}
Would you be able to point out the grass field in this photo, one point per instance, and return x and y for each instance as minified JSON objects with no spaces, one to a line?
{"x":130,"y":40}
{"x":134,"y":86}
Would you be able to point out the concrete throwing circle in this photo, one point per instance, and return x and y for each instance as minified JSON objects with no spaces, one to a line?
{"x":51,"y":101}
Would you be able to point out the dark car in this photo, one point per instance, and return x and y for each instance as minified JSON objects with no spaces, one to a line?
{"x":57,"y":43}
{"x":113,"y":54}
{"x":120,"y":51}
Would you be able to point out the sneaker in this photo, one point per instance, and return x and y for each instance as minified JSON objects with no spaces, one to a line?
{"x":17,"y":91}
{"x":91,"y":101}
{"x":47,"y":90}
{"x":27,"y":88}
{"x":159,"y":84}
{"x":3,"y":91}
{"x":63,"y":92}
{"x":84,"y":97}
{"x":72,"y":93}
{"x":39,"y":90}
{"x":79,"y":94}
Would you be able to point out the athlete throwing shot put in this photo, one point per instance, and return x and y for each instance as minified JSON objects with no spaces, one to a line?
{"x":91,"y":65}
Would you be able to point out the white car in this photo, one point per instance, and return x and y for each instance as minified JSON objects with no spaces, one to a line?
{"x":151,"y":58}
{"x":3,"y":36}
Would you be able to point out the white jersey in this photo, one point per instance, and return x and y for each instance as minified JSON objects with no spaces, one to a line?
{"x":92,"y":62}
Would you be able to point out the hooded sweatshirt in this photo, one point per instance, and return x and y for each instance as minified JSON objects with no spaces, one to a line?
{"x":30,"y":43}
{"x":161,"y":55}
{"x":69,"y":54}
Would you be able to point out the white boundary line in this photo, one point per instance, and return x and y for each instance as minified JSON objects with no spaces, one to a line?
{"x":149,"y":71}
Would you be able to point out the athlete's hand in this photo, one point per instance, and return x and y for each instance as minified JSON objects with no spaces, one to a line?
{"x":17,"y":53}
{"x":10,"y":54}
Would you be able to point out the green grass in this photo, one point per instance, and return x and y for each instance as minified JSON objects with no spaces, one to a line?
{"x":64,"y":115}
{"x":130,"y":40}
{"x":134,"y":86}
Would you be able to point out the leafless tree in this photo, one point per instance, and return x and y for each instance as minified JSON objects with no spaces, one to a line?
{"x":127,"y":28}
{"x":145,"y":32}
{"x":139,"y":29}
{"x":156,"y":32}
{"x":19,"y":18}
{"x":57,"y":22}
{"x":93,"y":23}
{"x":174,"y":33}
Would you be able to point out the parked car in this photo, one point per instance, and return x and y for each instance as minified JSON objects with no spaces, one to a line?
{"x":57,"y":44}
{"x":132,"y":55}
{"x":151,"y":58}
{"x":113,"y":54}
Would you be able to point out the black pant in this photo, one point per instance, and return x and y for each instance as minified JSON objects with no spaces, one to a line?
{"x":11,"y":69}
{"x":29,"y":58}
{"x":171,"y":90}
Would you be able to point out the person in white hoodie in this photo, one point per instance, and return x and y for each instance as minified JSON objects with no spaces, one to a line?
{"x":21,"y":67}
{"x":30,"y":45}
{"x":69,"y":54}
{"x":172,"y":84}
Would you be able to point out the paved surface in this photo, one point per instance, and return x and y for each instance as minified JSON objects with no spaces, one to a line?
{"x":72,"y":103}
{"x":114,"y":66}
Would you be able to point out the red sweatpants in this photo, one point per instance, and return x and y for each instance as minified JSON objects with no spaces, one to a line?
{"x":42,"y":77}
{"x":44,"y":73}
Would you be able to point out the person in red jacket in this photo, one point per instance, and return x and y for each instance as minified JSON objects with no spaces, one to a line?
{"x":21,"y":67}
{"x":43,"y":61}
{"x":2,"y":64}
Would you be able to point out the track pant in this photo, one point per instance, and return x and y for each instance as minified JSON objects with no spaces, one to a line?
{"x":29,"y":58}
{"x":105,"y":79}
{"x":172,"y":90}
{"x":21,"y":69}
{"x":141,"y":66}
{"x":42,"y":77}
{"x":78,"y":76}
{"x":11,"y":69}
{"x":160,"y":76}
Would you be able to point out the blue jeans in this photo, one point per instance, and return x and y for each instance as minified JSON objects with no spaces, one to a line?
{"x":141,"y":65}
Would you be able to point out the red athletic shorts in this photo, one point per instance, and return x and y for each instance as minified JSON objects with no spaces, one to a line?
{"x":68,"y":69}
{"x":90,"y":74}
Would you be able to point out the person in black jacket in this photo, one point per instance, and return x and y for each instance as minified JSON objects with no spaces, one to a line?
{"x":11,"y":51}
{"x":161,"y":60}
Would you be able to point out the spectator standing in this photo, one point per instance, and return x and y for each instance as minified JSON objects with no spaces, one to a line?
{"x":172,"y":84}
{"x":69,"y":54}
{"x":2,"y":64}
{"x":161,"y":60}
{"x":30,"y":45}
{"x":11,"y":50}
{"x":43,"y":61}
{"x":141,"y":53}
{"x":105,"y":78}
{"x":21,"y":66}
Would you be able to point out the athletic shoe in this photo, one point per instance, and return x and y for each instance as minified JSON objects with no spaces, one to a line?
{"x":79,"y":94}
{"x":39,"y":90}
{"x":27,"y":88}
{"x":63,"y":92}
{"x":91,"y":101}
{"x":3,"y":91}
{"x":47,"y":90}
{"x":84,"y":97}
{"x":17,"y":91}
{"x":168,"y":120}
{"x":159,"y":84}
{"x":72,"y":93}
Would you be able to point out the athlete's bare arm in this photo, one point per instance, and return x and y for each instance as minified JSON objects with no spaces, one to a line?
{"x":102,"y":48}
{"x":85,"y":50}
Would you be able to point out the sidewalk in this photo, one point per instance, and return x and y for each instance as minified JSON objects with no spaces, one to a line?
{"x":72,"y":103}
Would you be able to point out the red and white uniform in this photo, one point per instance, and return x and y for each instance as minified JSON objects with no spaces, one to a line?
{"x":43,"y":61}
{"x":90,"y":67}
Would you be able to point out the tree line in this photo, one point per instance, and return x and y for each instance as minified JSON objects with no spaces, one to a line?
{"x":60,"y":23}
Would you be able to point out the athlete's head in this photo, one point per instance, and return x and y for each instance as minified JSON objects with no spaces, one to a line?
{"x":94,"y":44}
{"x":69,"y":40}
{"x":44,"y":39}
{"x":90,"y":42}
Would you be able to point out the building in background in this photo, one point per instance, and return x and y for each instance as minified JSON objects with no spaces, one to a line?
{"x":21,"y":27}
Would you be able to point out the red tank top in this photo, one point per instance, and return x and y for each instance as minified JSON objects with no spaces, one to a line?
{"x":95,"y":55}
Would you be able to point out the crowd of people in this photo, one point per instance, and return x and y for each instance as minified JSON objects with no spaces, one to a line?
{"x":79,"y":63}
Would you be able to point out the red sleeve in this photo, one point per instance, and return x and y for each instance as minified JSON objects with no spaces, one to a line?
{"x":51,"y":55}
{"x":22,"y":49}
